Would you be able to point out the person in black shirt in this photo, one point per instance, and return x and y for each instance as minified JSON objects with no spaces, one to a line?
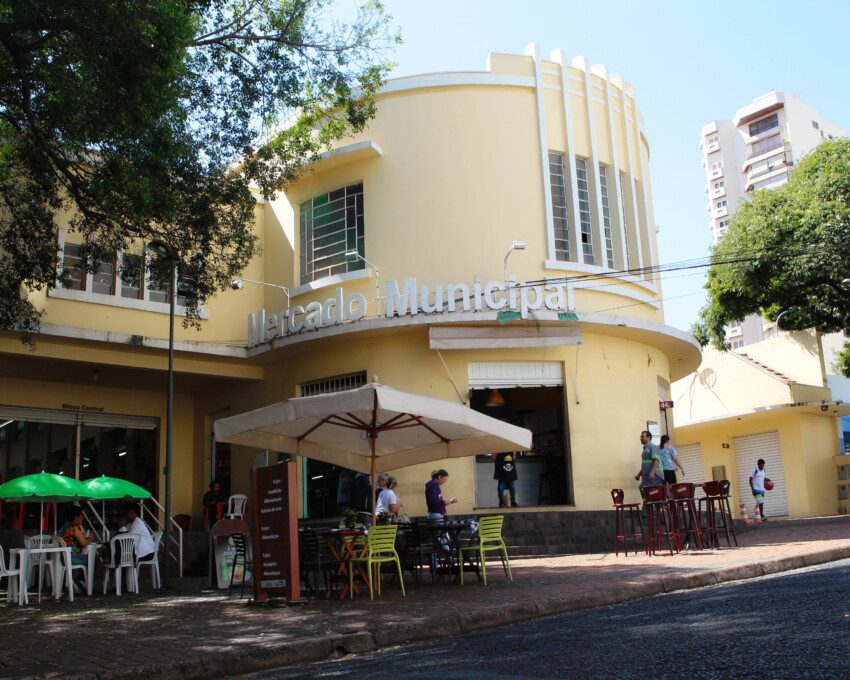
{"x":211,"y":499}
{"x":506,"y":476}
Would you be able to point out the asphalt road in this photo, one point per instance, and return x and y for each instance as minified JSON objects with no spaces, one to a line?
{"x":792,"y":625}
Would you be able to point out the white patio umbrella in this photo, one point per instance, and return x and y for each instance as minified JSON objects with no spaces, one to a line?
{"x":372,"y":429}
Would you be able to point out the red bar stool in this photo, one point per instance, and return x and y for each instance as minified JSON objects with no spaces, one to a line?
{"x":658,"y":515}
{"x":714,"y":510}
{"x":685,"y":512}
{"x":620,"y":510}
{"x":725,"y":490}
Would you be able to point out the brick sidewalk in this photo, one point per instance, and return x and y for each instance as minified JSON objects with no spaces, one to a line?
{"x":198,"y":633}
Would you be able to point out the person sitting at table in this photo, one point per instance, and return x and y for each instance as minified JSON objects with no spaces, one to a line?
{"x":211,"y":500}
{"x":145,"y":547}
{"x":388,"y":500}
{"x":434,"y":496}
{"x":74,"y":536}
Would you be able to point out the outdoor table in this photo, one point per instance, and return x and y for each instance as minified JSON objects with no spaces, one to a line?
{"x":22,"y":555}
{"x":345,"y":539}
{"x":451,"y":529}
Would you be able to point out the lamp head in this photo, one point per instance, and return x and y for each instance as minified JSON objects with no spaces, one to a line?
{"x":162,"y":249}
{"x":237,"y":284}
{"x":352,"y":253}
{"x":518,"y":244}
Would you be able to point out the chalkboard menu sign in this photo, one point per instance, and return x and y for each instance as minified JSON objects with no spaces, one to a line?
{"x":276,"y":571}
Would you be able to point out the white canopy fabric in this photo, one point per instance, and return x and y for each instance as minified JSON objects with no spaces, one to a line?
{"x":407,"y":428}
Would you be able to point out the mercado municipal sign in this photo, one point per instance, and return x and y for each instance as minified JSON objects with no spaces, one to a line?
{"x":407,"y":300}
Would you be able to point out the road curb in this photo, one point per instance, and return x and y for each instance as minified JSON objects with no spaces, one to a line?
{"x":309,"y":650}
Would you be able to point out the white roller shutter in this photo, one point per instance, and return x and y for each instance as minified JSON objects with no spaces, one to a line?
{"x":506,"y":374}
{"x":690,"y":458}
{"x":748,"y":450}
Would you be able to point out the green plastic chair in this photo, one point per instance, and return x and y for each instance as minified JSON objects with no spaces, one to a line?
{"x":489,"y":538}
{"x":380,"y":549}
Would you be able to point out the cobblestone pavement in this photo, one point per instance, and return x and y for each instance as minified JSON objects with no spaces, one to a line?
{"x":193,"y":632}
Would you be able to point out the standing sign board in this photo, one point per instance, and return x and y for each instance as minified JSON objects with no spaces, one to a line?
{"x":275,"y":534}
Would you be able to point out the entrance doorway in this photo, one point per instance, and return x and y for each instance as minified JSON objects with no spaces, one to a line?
{"x":543,"y":475}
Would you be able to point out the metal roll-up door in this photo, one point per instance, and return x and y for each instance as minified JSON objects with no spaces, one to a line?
{"x":506,"y":374}
{"x":690,"y":458}
{"x":748,"y":450}
{"x":112,"y":420}
{"x":38,"y":415}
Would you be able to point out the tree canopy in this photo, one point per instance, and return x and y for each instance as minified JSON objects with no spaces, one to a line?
{"x":787,"y":251}
{"x":154,"y":119}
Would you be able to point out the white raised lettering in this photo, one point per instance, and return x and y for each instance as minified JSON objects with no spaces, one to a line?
{"x":355,"y":307}
{"x":334,"y":305}
{"x":401,"y":302}
{"x":555,"y":297}
{"x":489,"y":300}
{"x":256,"y":327}
{"x":438,"y":300}
{"x":294,"y":324}
{"x":314,"y":316}
{"x":525,"y":303}
{"x":453,"y":289}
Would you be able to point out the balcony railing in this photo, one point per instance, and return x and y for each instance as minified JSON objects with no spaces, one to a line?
{"x":753,"y":154}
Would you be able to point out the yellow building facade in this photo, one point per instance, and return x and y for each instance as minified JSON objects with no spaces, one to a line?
{"x":768,"y":400}
{"x":488,"y":239}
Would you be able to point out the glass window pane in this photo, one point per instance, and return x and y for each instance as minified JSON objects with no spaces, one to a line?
{"x":131,"y":277}
{"x":103,"y":279}
{"x":73,"y":267}
{"x":330,"y":225}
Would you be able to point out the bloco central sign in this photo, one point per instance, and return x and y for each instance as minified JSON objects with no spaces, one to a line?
{"x":407,"y":300}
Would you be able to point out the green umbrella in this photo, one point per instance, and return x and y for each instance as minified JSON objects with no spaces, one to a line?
{"x":43,"y":487}
{"x":113,"y":489}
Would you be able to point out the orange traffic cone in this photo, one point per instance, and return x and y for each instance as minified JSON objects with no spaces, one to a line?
{"x":743,"y":513}
{"x":757,"y":515}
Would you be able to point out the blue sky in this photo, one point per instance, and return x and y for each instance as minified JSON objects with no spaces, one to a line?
{"x":690,"y":62}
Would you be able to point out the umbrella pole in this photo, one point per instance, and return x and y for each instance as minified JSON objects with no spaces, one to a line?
{"x":374,"y":518}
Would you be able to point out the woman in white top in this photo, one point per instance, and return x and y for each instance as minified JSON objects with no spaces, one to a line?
{"x":388,"y":500}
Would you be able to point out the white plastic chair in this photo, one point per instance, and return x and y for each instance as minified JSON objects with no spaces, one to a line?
{"x":152,"y":562}
{"x":9,"y":574}
{"x":123,"y":556}
{"x":59,"y":542}
{"x":236,"y":506}
{"x":41,"y":560}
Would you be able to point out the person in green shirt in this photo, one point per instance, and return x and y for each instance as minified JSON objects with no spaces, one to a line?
{"x":651,"y":472}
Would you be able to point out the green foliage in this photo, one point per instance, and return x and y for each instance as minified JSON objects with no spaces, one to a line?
{"x":787,"y":249}
{"x":842,"y":361}
{"x":152,"y":119}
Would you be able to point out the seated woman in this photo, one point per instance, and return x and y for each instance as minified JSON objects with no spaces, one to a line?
{"x":387,"y":502}
{"x":211,"y":500}
{"x":75,"y":537}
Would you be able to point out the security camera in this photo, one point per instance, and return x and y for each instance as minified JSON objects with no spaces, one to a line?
{"x":237,"y":284}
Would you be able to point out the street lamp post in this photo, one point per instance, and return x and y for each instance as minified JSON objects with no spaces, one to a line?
{"x":356,"y":255}
{"x":237,"y":284}
{"x":165,"y":252}
{"x":517,"y":244}
{"x":783,"y":313}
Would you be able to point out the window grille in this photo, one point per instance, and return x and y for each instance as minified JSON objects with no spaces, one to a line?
{"x":606,"y":215}
{"x":337,"y":383}
{"x":560,"y":219}
{"x":584,"y":211}
{"x":329,"y":226}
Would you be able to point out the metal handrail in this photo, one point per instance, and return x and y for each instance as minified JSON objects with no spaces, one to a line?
{"x":103,"y":537}
{"x":178,"y":542}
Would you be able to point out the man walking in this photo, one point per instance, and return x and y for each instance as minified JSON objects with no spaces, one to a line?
{"x":650,"y":473}
{"x":757,"y":482}
{"x":505,"y":476}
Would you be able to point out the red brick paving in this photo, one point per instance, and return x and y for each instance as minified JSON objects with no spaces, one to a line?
{"x":197,"y":633}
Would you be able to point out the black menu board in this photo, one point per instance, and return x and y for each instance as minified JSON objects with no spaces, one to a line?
{"x":275,"y":533}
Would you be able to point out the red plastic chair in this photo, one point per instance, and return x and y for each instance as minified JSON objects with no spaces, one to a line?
{"x":620,"y":510}
{"x":658,"y":516}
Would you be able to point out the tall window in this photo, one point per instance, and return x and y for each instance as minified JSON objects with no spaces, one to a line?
{"x":606,"y":215}
{"x":131,"y":277}
{"x":558,"y":184}
{"x":625,"y":222}
{"x":764,"y":125}
{"x":330,"y":225}
{"x":72,"y":265}
{"x":765,"y":145}
{"x":584,"y":211}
